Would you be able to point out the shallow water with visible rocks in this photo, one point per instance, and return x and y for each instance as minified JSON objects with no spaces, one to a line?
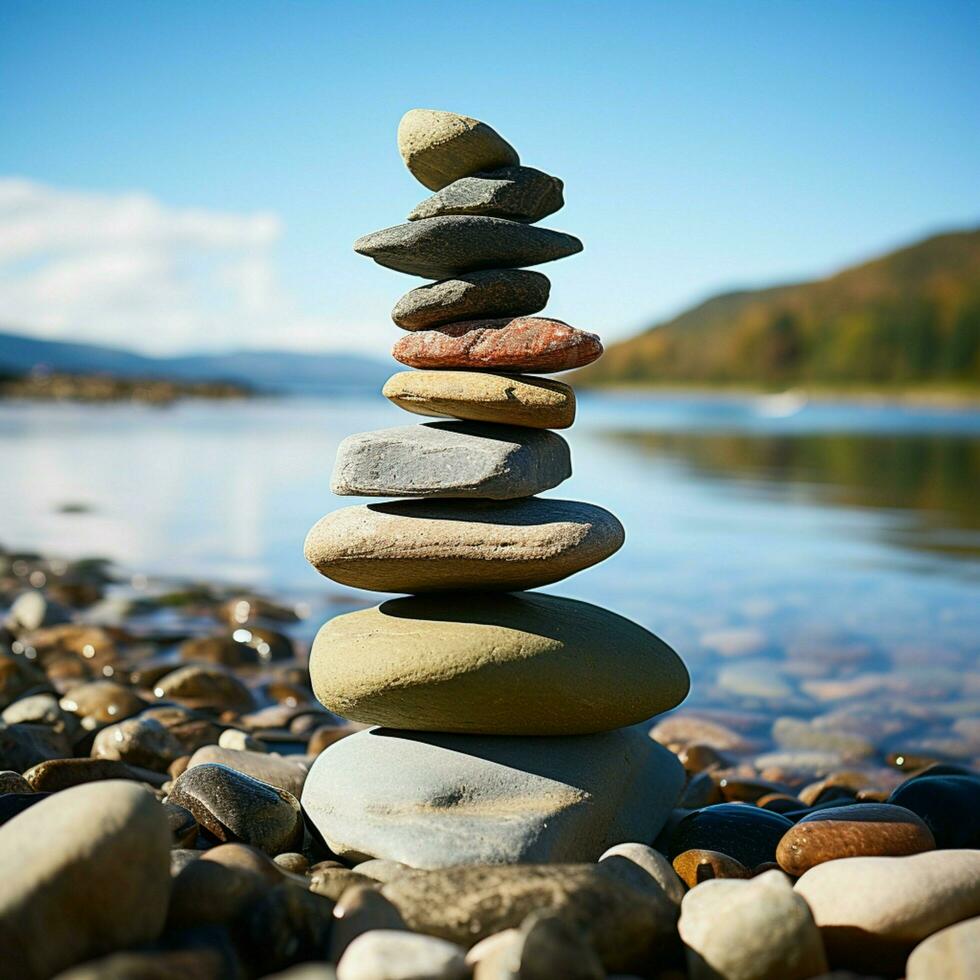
{"x":820,"y":566}
{"x":817,"y":570}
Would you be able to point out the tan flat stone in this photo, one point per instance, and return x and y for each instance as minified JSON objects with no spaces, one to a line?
{"x":494,"y":664}
{"x":438,"y":545}
{"x":439,"y":147}
{"x":509,"y":399}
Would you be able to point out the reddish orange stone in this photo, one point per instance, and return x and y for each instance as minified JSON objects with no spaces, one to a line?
{"x":526,"y":343}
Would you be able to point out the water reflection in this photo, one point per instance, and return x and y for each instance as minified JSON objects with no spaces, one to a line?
{"x":932,"y":480}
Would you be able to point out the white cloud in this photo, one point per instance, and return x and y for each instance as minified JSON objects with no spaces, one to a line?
{"x":126,"y":269}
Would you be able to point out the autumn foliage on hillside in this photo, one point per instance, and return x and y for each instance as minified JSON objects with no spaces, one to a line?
{"x":910,"y":317}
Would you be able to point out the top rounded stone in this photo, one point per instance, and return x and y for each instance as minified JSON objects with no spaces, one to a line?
{"x":439,"y":147}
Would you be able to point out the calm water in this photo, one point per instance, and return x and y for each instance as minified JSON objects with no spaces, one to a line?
{"x":812,"y":561}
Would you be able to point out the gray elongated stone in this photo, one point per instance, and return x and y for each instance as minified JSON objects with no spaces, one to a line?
{"x":443,"y":247}
{"x":433,"y":800}
{"x":516,"y":193}
{"x":487,"y":293}
{"x":451,"y":459}
{"x":431,"y":546}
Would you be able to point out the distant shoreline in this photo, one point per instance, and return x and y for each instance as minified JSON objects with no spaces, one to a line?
{"x":922,"y":397}
{"x":107,"y":388}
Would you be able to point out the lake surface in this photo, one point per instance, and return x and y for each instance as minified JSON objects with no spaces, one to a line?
{"x":819,"y":560}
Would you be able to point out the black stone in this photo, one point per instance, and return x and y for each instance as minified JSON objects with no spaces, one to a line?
{"x":440,"y":248}
{"x":517,"y":193}
{"x":13,"y":803}
{"x":949,"y":806}
{"x":746,"y":833}
{"x":483,"y":295}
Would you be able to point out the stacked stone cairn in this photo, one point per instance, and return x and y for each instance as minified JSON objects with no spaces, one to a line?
{"x":509,"y":722}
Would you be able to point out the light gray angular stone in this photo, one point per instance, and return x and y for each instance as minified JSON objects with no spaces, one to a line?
{"x":478,"y":295}
{"x":434,"y":800}
{"x":443,"y":247}
{"x":451,"y":459}
{"x":516,"y":193}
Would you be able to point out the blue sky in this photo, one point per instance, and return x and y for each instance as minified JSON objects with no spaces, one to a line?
{"x":192,"y":174}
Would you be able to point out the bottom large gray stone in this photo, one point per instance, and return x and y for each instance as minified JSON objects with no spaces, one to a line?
{"x":434,"y":800}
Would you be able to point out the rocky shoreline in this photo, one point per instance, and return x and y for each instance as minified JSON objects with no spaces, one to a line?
{"x":98,"y":388}
{"x":155,"y":741}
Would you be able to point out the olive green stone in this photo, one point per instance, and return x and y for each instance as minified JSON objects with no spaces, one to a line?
{"x":495,"y":664}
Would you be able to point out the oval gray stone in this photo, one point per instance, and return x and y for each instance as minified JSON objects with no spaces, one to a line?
{"x":440,"y":248}
{"x":479,"y":295}
{"x":431,"y":546}
{"x":451,"y":459}
{"x":436,"y":800}
{"x":516,"y":193}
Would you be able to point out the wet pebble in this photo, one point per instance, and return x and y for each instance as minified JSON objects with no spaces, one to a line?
{"x":854,"y":831}
{"x":139,"y":741}
{"x":949,"y":805}
{"x":236,"y":807}
{"x":698,"y":865}
{"x":746,"y":833}
{"x":205,"y":686}
{"x":58,"y":774}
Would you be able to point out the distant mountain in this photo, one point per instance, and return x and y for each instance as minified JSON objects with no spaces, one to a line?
{"x":267,"y":370}
{"x":911,"y":317}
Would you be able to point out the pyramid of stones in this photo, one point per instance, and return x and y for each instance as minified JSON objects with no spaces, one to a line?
{"x":508,"y":721}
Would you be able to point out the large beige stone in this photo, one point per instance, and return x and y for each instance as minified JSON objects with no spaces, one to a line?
{"x":538,"y":403}
{"x":85,"y":872}
{"x":520,"y":664}
{"x":437,"y":545}
{"x":952,"y":953}
{"x":439,"y":147}
{"x":750,"y":930}
{"x":873,"y":910}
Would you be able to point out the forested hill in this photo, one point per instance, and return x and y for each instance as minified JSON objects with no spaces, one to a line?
{"x":909,"y":318}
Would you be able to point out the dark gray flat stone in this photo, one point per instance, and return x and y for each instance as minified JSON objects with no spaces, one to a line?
{"x":488,"y":294}
{"x":443,"y":247}
{"x":517,"y":193}
{"x":451,"y":459}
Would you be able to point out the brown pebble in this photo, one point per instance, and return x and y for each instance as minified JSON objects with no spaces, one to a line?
{"x":333,"y":882}
{"x":358,"y":910}
{"x":292,"y":861}
{"x":326,"y":735}
{"x":861,"y":830}
{"x":698,"y":757}
{"x":780,"y":802}
{"x":735,"y":789}
{"x":701,"y":790}
{"x":698,"y":865}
